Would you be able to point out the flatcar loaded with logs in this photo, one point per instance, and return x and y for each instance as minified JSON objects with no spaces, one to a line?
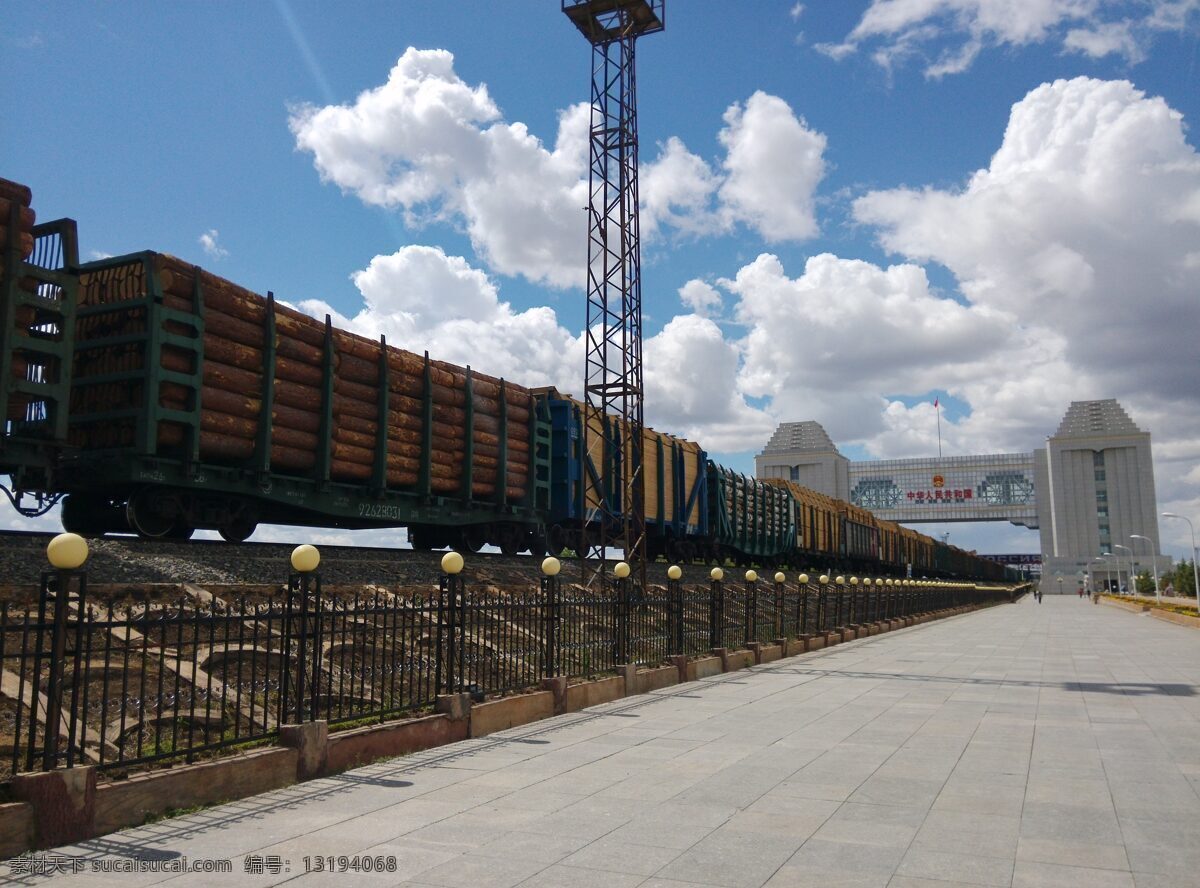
{"x":153,"y":397}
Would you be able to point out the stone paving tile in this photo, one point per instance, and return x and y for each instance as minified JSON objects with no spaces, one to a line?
{"x":469,"y":870}
{"x":970,"y":868}
{"x":1088,"y":854}
{"x":812,"y":877}
{"x":623,"y":857}
{"x":559,"y":876}
{"x":872,"y":825}
{"x":1041,"y":746}
{"x":732,"y":858}
{"x":989,"y":835}
{"x":1027,"y":874}
{"x":533,"y":846}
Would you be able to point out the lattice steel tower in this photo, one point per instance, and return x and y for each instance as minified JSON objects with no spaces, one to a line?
{"x":613,"y":374}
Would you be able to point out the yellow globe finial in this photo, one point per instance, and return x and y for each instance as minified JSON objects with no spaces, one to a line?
{"x":674,"y":572}
{"x":67,"y":551}
{"x":803,"y":579}
{"x":853,"y":581}
{"x":452,"y":563}
{"x":751,"y":576}
{"x":824,"y":578}
{"x":841,"y":581}
{"x":621,"y":570}
{"x":717,"y":574}
{"x":305,"y":558}
{"x":779,"y":577}
{"x":551,"y":566}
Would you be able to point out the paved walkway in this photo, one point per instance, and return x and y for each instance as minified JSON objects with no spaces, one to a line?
{"x":1053,"y":744}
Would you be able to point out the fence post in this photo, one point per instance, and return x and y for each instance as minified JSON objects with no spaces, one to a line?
{"x":750,"y":611}
{"x":451,"y":602}
{"x":621,"y":641}
{"x":66,"y":553}
{"x":716,"y":609}
{"x":674,"y":610}
{"x":778,"y":630}
{"x":550,"y":614}
{"x":841,"y":593}
{"x":822,"y":602}
{"x":301,"y":585}
{"x":802,"y":605}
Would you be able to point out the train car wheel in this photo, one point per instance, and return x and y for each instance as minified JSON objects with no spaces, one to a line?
{"x":557,"y":539}
{"x":475,"y":537}
{"x":512,"y":540}
{"x":538,"y":545}
{"x":148,"y":515}
{"x":180,"y":530}
{"x":86,"y":514}
{"x":238,"y":530}
{"x":427,"y":537}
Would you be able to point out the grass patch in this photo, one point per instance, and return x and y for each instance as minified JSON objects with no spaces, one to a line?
{"x":179,"y":812}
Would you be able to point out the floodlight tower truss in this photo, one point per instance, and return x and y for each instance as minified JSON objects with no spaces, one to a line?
{"x":613,"y":383}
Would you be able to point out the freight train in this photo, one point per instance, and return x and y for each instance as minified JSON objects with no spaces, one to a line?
{"x":151,"y":396}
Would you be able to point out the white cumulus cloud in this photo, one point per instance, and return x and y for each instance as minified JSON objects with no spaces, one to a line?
{"x":208,"y":241}
{"x":425,"y":300}
{"x":947,"y":35}
{"x":773,"y":165}
{"x":701,"y":298}
{"x":436,"y":148}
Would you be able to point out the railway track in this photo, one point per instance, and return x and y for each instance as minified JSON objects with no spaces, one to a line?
{"x":115,"y":560}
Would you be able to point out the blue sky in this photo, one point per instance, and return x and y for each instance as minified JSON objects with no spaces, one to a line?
{"x":864,"y":204}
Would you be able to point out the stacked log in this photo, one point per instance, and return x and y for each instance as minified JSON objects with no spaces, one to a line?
{"x":15,"y":200}
{"x":234,"y":343}
{"x":16,"y":228}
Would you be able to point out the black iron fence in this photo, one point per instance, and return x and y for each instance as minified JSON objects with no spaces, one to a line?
{"x":125,"y":682}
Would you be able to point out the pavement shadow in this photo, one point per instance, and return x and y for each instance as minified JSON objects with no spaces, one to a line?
{"x":1130,"y":688}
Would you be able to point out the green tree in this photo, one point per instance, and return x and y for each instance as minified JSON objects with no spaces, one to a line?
{"x":1184,"y":579}
{"x":1145,"y":583}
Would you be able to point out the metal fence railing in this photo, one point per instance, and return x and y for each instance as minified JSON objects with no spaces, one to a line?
{"x":127,"y":682}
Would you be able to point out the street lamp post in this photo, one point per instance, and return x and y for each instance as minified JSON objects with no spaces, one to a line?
{"x":1138,"y":536}
{"x":1195,"y":567}
{"x":1108,"y":572}
{"x":1130,"y":551}
{"x":1091,"y":579}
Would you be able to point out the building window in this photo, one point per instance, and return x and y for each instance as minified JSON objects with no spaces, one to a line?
{"x":1007,"y":489}
{"x":794,"y":473}
{"x":1100,"y":475}
{"x":876,"y":493}
{"x":1098,"y":459}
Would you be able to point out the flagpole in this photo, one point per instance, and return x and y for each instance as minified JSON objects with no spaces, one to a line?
{"x":938,"y":410}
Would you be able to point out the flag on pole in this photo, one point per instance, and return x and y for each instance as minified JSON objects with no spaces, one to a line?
{"x":939,"y":423}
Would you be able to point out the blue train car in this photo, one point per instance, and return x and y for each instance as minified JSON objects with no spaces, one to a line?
{"x":675,"y":482}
